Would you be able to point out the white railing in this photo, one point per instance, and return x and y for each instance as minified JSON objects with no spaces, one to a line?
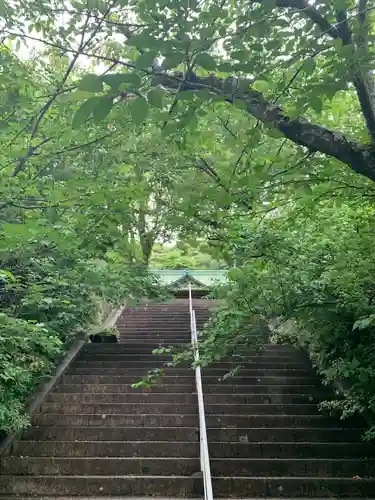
{"x":204,"y":455}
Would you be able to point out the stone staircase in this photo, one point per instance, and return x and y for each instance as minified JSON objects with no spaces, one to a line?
{"x":96,"y":437}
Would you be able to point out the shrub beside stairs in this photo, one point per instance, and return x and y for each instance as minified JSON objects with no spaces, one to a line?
{"x":96,"y":437}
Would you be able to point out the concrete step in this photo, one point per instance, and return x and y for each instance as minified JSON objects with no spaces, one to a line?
{"x":140,"y":371}
{"x":149,"y":420}
{"x":115,"y":398}
{"x":120,"y":409}
{"x":218,"y":450}
{"x":152,"y":337}
{"x":214,"y":370}
{"x":106,"y":433}
{"x":155,"y":326}
{"x":108,"y":466}
{"x":106,"y":358}
{"x":147,"y":449}
{"x":292,"y":487}
{"x":121,"y":380}
{"x":125,"y":389}
{"x":270,"y":350}
{"x":2,"y":497}
{"x":184,"y":409}
{"x":142,"y":327}
{"x":123,"y":349}
{"x":270,"y":421}
{"x":298,"y":435}
{"x":166,"y":486}
{"x":170,"y":329}
{"x":176,"y":420}
{"x":129,"y":348}
{"x":182,"y":486}
{"x":146,"y":355}
{"x":260,"y":399}
{"x":207,"y":380}
{"x":270,"y":467}
{"x":235,"y":435}
{"x":291,"y":450}
{"x":154,"y":343}
{"x":187,"y":397}
{"x":308,"y":391}
{"x":186,"y":370}
{"x":96,"y":497}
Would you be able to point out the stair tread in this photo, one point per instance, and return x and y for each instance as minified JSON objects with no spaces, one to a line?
{"x":250,"y":478}
{"x":189,"y":459}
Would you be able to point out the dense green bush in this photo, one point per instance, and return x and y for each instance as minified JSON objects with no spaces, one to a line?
{"x":51,"y":289}
{"x":28,"y":351}
{"x":315,"y":276}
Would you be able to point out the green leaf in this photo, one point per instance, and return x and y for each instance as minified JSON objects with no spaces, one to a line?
{"x":338,"y":45}
{"x":206,"y":95}
{"x":155,"y":98}
{"x":206,"y":61}
{"x":91,"y":83}
{"x":77,"y":95}
{"x":269,"y":5}
{"x":145,"y":41}
{"x":308,"y":66}
{"x":274,"y":132}
{"x":173,"y":60}
{"x":261,"y":86}
{"x":223,"y":31}
{"x":240,"y":55}
{"x":114,"y":80}
{"x":340,"y":5}
{"x":225,"y":67}
{"x":246,"y":67}
{"x":240,"y":104}
{"x":2,"y":8}
{"x":185,"y":95}
{"x":102,"y":109}
{"x":84,"y":112}
{"x":317,"y":104}
{"x":139,"y":110}
{"x":146,"y":59}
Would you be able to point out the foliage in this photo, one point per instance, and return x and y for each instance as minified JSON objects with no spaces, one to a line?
{"x":238,"y":128}
{"x":63,"y":247}
{"x":181,"y":256}
{"x":172,"y":60}
{"x":46,"y":302}
{"x":313,"y":272}
{"x":28,"y":351}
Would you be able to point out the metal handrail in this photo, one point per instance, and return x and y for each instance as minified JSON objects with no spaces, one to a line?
{"x":204,"y":455}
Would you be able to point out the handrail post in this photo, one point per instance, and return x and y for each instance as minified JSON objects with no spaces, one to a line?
{"x":204,"y":454}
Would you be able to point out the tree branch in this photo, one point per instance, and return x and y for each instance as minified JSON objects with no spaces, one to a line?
{"x":309,"y":11}
{"x":363,"y":82}
{"x":360,"y":157}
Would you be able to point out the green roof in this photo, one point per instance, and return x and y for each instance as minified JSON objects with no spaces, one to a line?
{"x":204,"y":278}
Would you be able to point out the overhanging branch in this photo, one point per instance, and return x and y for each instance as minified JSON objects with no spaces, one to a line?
{"x":308,"y":11}
{"x":360,"y":157}
{"x":362,"y":81}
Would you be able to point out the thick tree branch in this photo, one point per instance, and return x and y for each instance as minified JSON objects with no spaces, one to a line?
{"x":360,"y":157}
{"x":363,"y":82}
